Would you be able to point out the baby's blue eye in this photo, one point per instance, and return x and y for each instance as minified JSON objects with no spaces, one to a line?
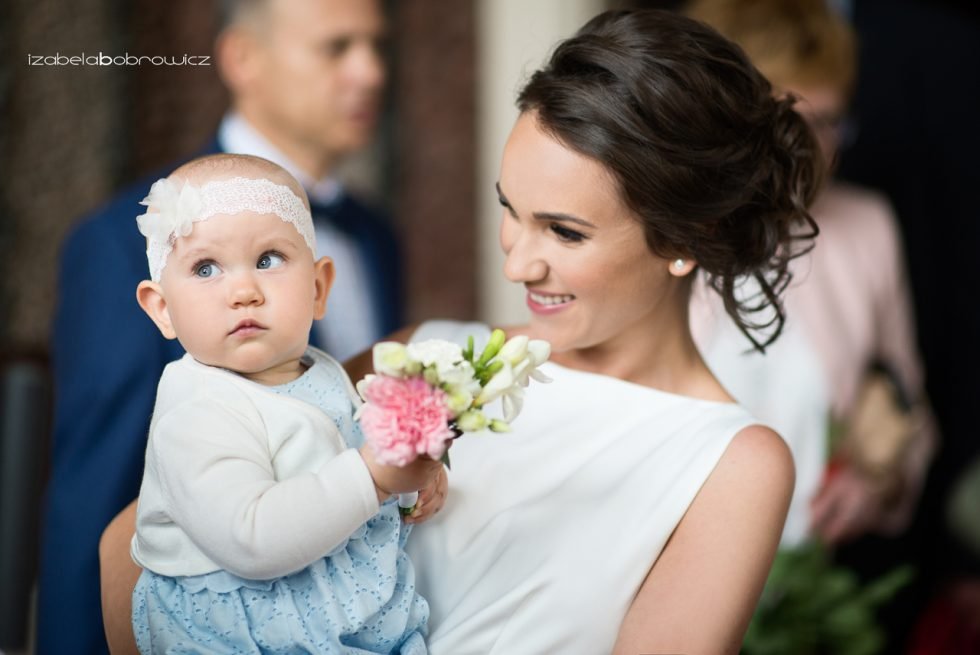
{"x":270,"y":260}
{"x":206,"y":269}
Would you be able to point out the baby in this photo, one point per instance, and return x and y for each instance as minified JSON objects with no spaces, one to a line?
{"x":263,"y":523}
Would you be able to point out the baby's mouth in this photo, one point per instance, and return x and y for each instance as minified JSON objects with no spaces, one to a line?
{"x":247,"y":327}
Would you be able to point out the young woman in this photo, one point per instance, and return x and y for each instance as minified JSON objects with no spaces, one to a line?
{"x":635,"y":507}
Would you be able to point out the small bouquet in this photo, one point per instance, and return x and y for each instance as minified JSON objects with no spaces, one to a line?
{"x":422,"y":395}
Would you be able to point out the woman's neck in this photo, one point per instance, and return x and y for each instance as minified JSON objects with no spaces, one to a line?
{"x":661,"y":356}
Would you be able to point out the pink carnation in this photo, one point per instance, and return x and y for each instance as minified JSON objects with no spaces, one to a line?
{"x":404,"y":418}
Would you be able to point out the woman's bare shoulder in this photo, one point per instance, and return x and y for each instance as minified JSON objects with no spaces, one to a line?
{"x":700,"y":593}
{"x":757,"y":466}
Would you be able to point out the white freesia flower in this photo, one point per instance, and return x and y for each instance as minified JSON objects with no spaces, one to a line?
{"x":173,"y":211}
{"x":534,"y":353}
{"x":444,"y":355}
{"x":496,"y":425}
{"x":538,"y":352}
{"x":498,"y":385}
{"x":390,"y":358}
{"x":459,"y":400}
{"x":513,"y":401}
{"x":515,"y":350}
{"x":472,"y":420}
{"x":461,"y":377}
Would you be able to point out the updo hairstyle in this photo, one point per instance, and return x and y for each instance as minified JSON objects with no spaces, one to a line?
{"x":714,"y":166}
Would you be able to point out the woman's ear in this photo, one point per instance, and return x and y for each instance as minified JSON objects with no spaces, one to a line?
{"x":681,"y":266}
{"x":323,"y":272}
{"x":150,"y":297}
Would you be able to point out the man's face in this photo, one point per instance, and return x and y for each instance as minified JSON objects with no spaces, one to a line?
{"x":319,"y":74}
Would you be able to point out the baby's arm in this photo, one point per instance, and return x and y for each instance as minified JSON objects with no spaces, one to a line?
{"x":217,"y":478}
{"x":219,"y":485}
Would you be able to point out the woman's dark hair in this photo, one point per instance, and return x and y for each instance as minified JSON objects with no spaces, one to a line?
{"x":715,"y":167}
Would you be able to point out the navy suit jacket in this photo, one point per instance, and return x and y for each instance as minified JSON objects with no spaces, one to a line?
{"x":107,"y":358}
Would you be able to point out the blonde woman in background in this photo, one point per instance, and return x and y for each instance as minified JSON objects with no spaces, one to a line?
{"x":846,"y":376}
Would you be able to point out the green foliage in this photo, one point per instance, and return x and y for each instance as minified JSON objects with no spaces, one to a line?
{"x":810,"y":606}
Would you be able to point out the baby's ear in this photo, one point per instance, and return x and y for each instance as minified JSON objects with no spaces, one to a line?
{"x":323,"y":272}
{"x":150,"y":297}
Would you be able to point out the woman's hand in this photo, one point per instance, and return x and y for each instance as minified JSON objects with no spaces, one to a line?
{"x":118,"y":574}
{"x":431,"y":499}
{"x":847,"y":505}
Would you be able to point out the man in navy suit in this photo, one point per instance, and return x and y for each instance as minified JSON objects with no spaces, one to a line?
{"x":306,"y":79}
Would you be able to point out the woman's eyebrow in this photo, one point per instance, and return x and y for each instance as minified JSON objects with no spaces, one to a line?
{"x":562,"y":217}
{"x":546,"y":216}
{"x":500,"y":193}
{"x":503,"y":199}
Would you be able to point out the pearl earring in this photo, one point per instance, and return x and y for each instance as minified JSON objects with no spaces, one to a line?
{"x":679,"y":264}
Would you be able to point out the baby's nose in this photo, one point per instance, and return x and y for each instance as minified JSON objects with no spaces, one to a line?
{"x":245,"y":291}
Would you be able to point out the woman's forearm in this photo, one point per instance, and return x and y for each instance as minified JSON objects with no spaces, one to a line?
{"x":118,"y":575}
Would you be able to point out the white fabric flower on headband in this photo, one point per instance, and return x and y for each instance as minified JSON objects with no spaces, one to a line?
{"x":173,"y":211}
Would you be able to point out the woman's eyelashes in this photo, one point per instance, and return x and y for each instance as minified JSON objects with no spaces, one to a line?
{"x":567,"y":235}
{"x":564,"y":234}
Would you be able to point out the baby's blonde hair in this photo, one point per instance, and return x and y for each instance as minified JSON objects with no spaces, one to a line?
{"x":224,"y":165}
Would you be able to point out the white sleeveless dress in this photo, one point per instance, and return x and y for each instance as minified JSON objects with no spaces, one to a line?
{"x":549,"y":530}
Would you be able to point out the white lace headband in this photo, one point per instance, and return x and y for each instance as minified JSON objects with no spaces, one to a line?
{"x":174,"y":212}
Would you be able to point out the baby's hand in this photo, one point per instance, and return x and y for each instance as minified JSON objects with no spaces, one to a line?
{"x":431,"y":499}
{"x":390,"y":480}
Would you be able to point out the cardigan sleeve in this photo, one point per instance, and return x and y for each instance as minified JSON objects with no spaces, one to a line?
{"x":218,"y":483}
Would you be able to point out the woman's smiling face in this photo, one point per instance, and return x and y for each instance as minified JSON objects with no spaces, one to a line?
{"x":576,"y":247}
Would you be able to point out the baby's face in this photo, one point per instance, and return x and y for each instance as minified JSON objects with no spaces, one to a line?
{"x":241,"y":294}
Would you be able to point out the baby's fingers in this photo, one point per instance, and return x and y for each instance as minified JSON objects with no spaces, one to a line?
{"x":431,"y":500}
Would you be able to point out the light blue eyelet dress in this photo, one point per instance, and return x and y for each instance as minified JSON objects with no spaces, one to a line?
{"x":359,"y":598}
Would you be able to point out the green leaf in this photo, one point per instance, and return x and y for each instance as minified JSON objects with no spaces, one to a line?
{"x":810,"y":606}
{"x":885,"y":587}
